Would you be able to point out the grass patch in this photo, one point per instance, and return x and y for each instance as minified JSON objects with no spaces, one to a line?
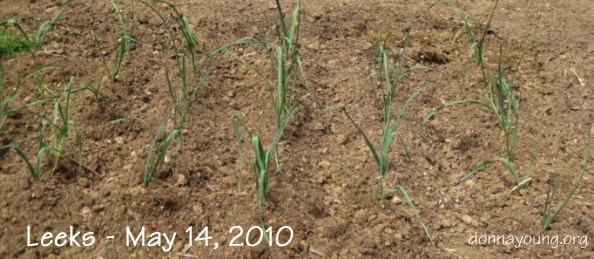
{"x":41,"y":34}
{"x":10,"y":45}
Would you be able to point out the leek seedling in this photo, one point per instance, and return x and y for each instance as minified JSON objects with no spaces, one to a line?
{"x":499,"y":99}
{"x":263,"y":157}
{"x":261,"y":162}
{"x":63,"y":115}
{"x":184,"y":96}
{"x":287,"y":67}
{"x":159,"y":148}
{"x":547,"y":218}
{"x":124,"y":46}
{"x":390,"y":75}
{"x":35,"y":171}
{"x":61,"y":123}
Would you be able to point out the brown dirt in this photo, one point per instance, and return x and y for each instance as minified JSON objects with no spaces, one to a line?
{"x":327,"y":192}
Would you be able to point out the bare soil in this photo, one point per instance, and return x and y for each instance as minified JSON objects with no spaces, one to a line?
{"x":328,"y":192}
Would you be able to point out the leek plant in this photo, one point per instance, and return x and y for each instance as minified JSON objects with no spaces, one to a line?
{"x":547,"y":217}
{"x":499,"y":99}
{"x":390,"y":75}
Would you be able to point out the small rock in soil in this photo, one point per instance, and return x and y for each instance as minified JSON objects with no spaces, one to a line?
{"x":341,"y":139}
{"x":119,"y":140}
{"x":360,"y":217}
{"x":468,"y":220}
{"x":445,"y":203}
{"x":84,"y":182}
{"x":336,"y":227}
{"x":181,"y":180}
{"x":197,"y":208}
{"x":445,"y":223}
{"x":325,"y":164}
{"x":396,"y":200}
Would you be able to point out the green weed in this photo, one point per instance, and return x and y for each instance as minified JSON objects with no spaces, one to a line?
{"x":42,"y":31}
{"x":10,"y":45}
